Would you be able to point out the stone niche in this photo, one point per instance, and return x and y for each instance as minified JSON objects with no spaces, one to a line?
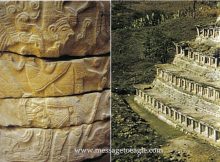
{"x":54,"y":80}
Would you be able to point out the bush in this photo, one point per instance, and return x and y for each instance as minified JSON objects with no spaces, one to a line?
{"x":157,"y":46}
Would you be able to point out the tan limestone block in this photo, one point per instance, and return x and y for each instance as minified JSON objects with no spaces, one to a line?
{"x":32,"y":77}
{"x":53,"y":145}
{"x":55,"y":28}
{"x":55,"y":112}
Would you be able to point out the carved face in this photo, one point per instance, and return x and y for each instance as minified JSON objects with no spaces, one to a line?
{"x":62,"y":29}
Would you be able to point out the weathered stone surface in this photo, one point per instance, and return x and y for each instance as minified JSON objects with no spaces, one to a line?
{"x":32,"y":77}
{"x":51,"y":105}
{"x":55,"y":28}
{"x":55,"y":112}
{"x":53,"y":145}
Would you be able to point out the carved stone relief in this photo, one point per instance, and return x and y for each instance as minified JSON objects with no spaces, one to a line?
{"x":55,"y":112}
{"x":55,"y":28}
{"x":54,"y":80}
{"x":55,"y":145}
{"x":32,"y":77}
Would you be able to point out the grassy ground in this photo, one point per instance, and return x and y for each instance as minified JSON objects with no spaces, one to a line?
{"x":131,"y":131}
{"x":173,"y":6}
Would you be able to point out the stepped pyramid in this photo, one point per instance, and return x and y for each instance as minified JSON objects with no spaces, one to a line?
{"x":186,"y":93}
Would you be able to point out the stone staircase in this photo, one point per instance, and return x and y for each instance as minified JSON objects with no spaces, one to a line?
{"x":186,"y":93}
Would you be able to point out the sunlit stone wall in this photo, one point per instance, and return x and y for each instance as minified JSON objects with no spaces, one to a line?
{"x":54,"y":80}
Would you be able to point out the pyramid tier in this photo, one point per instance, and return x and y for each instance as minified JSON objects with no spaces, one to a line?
{"x":56,"y":145}
{"x":196,"y":81}
{"x":55,"y":112}
{"x":185,"y":99}
{"x":208,"y":58}
{"x":55,"y":28}
{"x":208,"y":31}
{"x":32,"y":77}
{"x":181,"y":111}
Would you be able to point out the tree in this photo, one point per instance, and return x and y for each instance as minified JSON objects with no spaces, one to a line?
{"x":194,"y":8}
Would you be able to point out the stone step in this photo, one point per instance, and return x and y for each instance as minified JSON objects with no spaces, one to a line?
{"x":187,"y":99}
{"x":195,"y":48}
{"x":193,"y":66}
{"x":194,"y":53}
{"x":55,"y":145}
{"x":177,"y":114}
{"x":208,"y":31}
{"x":200,"y":58}
{"x":55,"y":112}
{"x":22,"y":76}
{"x":193,"y":82}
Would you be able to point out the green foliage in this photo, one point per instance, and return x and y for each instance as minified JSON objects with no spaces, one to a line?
{"x":121,"y":18}
{"x":130,"y":131}
{"x":124,"y":17}
{"x":218,"y":4}
{"x":128,"y":58}
{"x":211,"y":3}
{"x":157,"y":46}
{"x":148,"y":18}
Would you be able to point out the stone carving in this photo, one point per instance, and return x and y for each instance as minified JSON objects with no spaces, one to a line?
{"x":53,"y":145}
{"x":52,"y":29}
{"x":32,"y":77}
{"x":54,"y":80}
{"x":55,"y":112}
